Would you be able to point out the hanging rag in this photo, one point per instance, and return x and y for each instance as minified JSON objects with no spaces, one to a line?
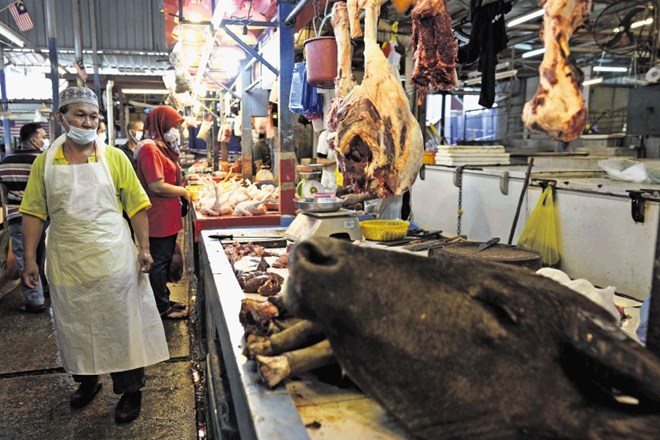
{"x":487,"y":39}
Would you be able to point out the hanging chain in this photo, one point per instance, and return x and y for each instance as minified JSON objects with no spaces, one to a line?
{"x":459,"y":211}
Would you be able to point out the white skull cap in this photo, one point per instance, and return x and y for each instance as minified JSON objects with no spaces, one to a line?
{"x":78,"y":94}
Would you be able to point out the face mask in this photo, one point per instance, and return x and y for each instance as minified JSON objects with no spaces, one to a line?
{"x":138,"y":136}
{"x":46,"y":144}
{"x":80,"y":136}
{"x":102,"y":136}
{"x":172,"y":135}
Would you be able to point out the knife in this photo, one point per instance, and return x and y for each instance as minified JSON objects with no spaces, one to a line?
{"x":244,"y":237}
{"x":489,"y":243}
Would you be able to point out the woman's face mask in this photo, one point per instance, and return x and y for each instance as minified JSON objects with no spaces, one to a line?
{"x":103,"y":136}
{"x":80,"y":136}
{"x":138,"y":136}
{"x":172,"y":135}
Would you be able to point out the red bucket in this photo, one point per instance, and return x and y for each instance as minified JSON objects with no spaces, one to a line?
{"x":321,"y":60}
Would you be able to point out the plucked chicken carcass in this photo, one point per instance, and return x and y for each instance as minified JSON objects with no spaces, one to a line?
{"x":435,"y":49}
{"x":379,"y":143}
{"x":558,"y":108}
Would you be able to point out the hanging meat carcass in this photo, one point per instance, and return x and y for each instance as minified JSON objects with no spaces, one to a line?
{"x":462,"y":349}
{"x":379,"y":143}
{"x":558,"y":108}
{"x":435,"y":49}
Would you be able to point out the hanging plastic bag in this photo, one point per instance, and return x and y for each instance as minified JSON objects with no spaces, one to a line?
{"x":542,"y":232}
{"x":298,"y":85}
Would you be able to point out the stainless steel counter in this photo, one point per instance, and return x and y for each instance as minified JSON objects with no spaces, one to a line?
{"x":300,"y":409}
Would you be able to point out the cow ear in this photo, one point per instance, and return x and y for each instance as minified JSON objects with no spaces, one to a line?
{"x":499,"y":304}
{"x":599,"y":357}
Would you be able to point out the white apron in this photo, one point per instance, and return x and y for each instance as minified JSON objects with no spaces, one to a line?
{"x":105,"y":313}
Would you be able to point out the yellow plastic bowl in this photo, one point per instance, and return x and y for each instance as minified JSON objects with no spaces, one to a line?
{"x":384,"y":230}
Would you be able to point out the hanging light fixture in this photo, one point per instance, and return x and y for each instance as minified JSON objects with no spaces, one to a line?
{"x":189,"y":33}
{"x":196,"y":12}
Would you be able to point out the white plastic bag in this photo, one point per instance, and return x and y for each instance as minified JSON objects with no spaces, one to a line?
{"x":602,"y":297}
{"x":625,"y":169}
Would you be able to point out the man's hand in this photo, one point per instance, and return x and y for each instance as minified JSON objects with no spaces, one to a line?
{"x":352,"y":199}
{"x":145,"y":259}
{"x":30,"y":274}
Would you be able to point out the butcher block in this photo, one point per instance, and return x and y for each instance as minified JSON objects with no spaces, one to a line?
{"x":304,"y":408}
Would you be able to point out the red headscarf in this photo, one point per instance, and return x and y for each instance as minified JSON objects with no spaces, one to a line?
{"x":157,"y":123}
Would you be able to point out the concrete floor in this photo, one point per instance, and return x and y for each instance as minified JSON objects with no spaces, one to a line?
{"x":35,"y":390}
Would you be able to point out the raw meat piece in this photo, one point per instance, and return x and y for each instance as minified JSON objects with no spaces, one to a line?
{"x":269,"y":288}
{"x":281,"y":262}
{"x":379,"y":144}
{"x":250,"y":282}
{"x":354,"y":8}
{"x":255,"y":316}
{"x":273,"y":370}
{"x":463,"y":349}
{"x":345,"y":80}
{"x":558,"y":108}
{"x":435,"y":49}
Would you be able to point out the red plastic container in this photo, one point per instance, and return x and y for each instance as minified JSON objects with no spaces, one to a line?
{"x":321,"y":60}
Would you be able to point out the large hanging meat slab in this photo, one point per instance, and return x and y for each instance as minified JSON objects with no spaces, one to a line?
{"x":435,"y":49}
{"x":378,"y":141}
{"x":462,"y":349}
{"x":558,"y":108}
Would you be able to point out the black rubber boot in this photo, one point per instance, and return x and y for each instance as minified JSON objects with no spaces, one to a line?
{"x":84,"y":394}
{"x":128,"y":408}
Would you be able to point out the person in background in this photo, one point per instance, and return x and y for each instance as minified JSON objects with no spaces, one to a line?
{"x":101,"y":132}
{"x":134,"y":130}
{"x":261,"y":154}
{"x":158,"y":169}
{"x":14,"y":172}
{"x":326,"y":157}
{"x":106,"y":319}
{"x":643,"y":327}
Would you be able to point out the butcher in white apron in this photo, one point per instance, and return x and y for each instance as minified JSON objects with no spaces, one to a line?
{"x":105,"y":315}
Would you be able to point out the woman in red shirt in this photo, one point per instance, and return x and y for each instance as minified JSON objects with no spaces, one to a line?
{"x":158,"y":169}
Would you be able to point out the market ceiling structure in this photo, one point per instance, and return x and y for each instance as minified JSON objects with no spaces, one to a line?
{"x":135,"y":40}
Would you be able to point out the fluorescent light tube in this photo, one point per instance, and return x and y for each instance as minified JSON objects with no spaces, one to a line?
{"x":501,"y":75}
{"x":635,"y":25}
{"x":525,"y":18}
{"x":145,"y":91}
{"x":11,"y":36}
{"x":592,"y":81}
{"x":533,"y":53}
{"x":609,"y":69}
{"x":641,"y":23}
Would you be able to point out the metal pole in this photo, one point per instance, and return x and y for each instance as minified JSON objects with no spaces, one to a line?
{"x":95,"y":55}
{"x":77,"y":40}
{"x":285,"y":149}
{"x":51,"y":27}
{"x":111,"y":117}
{"x":224,"y":87}
{"x":521,"y":198}
{"x":290,"y":19}
{"x":5,"y":104}
{"x":246,"y":125}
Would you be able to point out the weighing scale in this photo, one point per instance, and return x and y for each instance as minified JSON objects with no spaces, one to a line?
{"x":343,"y":223}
